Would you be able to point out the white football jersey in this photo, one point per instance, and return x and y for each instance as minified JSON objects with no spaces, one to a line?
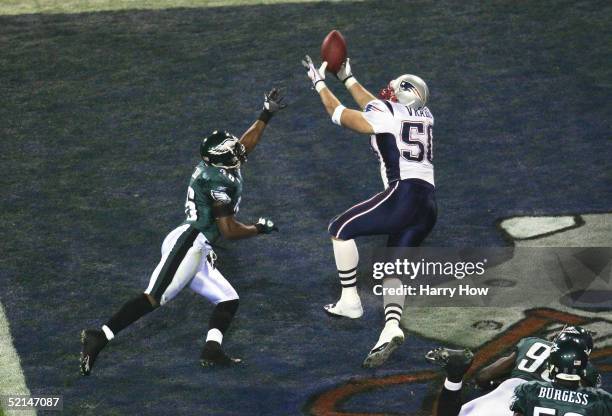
{"x":402,"y":140}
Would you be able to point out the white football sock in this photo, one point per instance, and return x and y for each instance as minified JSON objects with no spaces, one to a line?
{"x":347,"y":259}
{"x":107,"y":332}
{"x":214,"y":335}
{"x":394,"y":304}
{"x":449,"y":385}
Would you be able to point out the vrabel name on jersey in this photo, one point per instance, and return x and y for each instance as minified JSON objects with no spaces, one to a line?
{"x":402,"y":140}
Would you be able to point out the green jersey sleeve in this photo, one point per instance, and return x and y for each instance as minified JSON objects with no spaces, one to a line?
{"x":592,"y":377}
{"x":520,"y":399}
{"x":603,"y":406}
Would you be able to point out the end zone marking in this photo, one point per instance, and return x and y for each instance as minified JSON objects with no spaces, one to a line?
{"x":12,"y":380}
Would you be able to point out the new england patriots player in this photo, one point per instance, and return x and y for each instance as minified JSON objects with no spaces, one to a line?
{"x":187,"y":258}
{"x":400,"y":129}
{"x":528,"y":362}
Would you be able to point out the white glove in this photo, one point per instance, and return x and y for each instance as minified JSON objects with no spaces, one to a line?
{"x":345,"y":74}
{"x":317,"y":76}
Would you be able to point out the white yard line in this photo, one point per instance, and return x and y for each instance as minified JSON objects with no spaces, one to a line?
{"x":16,"y":7}
{"x":12,"y":380}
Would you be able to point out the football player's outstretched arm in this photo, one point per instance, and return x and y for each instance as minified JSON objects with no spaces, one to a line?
{"x":361,"y":96}
{"x":232,"y":229}
{"x":272,"y":104}
{"x":495,"y":371}
{"x":351,"y":119}
{"x":251,"y":137}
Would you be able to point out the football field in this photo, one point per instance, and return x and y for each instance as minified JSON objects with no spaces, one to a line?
{"x":103,"y":107}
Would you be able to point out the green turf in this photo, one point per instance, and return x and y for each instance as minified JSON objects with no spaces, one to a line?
{"x":15,"y":7}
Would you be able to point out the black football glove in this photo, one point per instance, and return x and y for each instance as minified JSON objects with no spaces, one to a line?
{"x":265,"y":226}
{"x":273,"y":102}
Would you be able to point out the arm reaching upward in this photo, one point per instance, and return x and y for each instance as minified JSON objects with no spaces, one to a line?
{"x":251,"y":137}
{"x":351,"y":119}
{"x":272,"y":104}
{"x":361,"y":96}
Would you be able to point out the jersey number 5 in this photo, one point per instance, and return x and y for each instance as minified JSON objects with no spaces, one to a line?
{"x":419,"y":138}
{"x":190,"y":206}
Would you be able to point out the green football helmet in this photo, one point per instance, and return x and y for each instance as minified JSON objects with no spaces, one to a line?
{"x":578,"y":332}
{"x":568,"y":359}
{"x":222,"y":149}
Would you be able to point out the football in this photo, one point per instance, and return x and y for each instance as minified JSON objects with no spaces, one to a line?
{"x":333,"y":50}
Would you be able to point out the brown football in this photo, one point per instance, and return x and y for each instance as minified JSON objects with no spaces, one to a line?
{"x":333,"y":50}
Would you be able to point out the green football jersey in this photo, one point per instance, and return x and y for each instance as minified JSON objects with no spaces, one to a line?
{"x":538,"y":398}
{"x":207,"y":185}
{"x":531,"y":356}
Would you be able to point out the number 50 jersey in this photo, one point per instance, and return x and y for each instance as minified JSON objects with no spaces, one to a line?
{"x":402,"y":140}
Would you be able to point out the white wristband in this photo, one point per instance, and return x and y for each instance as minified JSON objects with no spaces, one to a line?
{"x":449,"y":385}
{"x":337,"y":114}
{"x":319,"y":86}
{"x":350,"y":82}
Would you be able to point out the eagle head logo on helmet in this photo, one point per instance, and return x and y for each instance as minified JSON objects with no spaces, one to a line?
{"x":222,"y":149}
{"x":408,"y":90}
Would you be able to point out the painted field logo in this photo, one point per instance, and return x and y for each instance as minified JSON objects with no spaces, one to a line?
{"x":535,"y":322}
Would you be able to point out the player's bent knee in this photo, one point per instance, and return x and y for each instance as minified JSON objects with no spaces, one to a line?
{"x":334,"y":228}
{"x":231,"y":306}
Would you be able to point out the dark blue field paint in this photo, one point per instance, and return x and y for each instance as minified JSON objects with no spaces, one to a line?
{"x":101,"y":144}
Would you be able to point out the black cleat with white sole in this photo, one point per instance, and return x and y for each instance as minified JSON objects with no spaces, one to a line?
{"x":455,"y":362}
{"x":214,"y":356}
{"x":380,"y":354}
{"x":92,"y":341}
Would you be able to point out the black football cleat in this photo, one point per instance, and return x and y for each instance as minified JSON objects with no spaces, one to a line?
{"x":455,"y":362}
{"x":92,"y":341}
{"x":214,"y":356}
{"x":390,"y":339}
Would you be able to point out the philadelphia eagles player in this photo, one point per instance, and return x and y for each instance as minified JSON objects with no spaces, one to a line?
{"x":563,"y":395}
{"x":187,"y":258}
{"x":526,"y":363}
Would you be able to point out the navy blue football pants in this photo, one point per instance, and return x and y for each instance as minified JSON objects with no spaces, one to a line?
{"x":406,"y":211}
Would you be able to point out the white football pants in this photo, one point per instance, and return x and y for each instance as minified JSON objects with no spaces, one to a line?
{"x":184,"y":262}
{"x":495,"y":403}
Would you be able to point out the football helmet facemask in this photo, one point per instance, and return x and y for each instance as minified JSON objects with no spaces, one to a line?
{"x":408,"y":90}
{"x":568,"y":359}
{"x":222,"y":149}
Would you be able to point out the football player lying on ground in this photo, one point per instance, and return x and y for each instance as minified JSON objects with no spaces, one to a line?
{"x":400,"y":126}
{"x":213,"y":197}
{"x":526,"y":363}
{"x":563,"y":395}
